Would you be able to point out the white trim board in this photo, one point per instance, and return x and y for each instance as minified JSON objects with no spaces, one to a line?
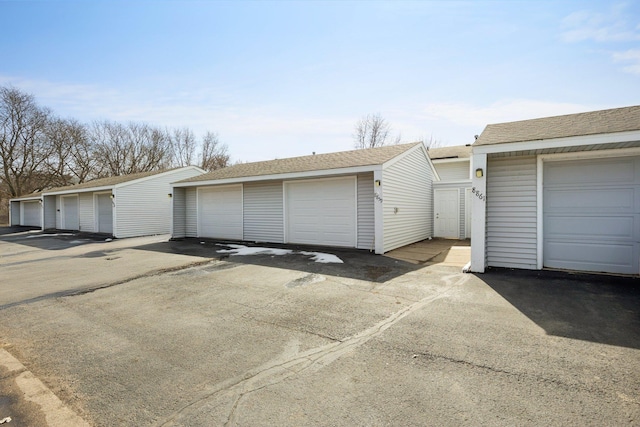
{"x":573,"y":141}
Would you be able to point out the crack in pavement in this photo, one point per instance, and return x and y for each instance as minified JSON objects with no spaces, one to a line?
{"x":286,"y":366}
{"x":90,"y":289}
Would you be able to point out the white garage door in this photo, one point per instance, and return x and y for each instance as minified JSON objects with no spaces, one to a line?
{"x":31,"y":214}
{"x":592,"y":215}
{"x":220,"y":212}
{"x":322,"y":212}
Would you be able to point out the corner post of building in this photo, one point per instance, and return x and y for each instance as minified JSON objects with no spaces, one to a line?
{"x":479,"y":211}
{"x":378,"y":203}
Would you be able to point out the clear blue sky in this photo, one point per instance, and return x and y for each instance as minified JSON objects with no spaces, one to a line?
{"x":280,"y":79}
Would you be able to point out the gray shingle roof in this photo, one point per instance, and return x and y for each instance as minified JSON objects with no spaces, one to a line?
{"x":316,"y":162}
{"x":581,"y":124}
{"x":106,"y":182}
{"x":457,"y":151}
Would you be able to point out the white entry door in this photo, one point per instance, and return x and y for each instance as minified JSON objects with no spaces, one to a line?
{"x":447,"y":213}
{"x":70,"y":217}
{"x":104,"y":210}
{"x":321,"y":212}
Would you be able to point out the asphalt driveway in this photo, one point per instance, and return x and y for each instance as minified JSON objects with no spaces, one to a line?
{"x":148,"y":332}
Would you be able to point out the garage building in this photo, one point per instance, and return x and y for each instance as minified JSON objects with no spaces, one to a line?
{"x":559,"y":192}
{"x":376,"y":199}
{"x":26,"y":211}
{"x":120,"y":206}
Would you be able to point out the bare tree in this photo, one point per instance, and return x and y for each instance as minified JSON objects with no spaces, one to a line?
{"x":214,"y":154}
{"x":131,"y":148}
{"x":183,"y":144}
{"x":371,"y":131}
{"x":71,"y":160}
{"x":431,"y":142}
{"x":23,"y":143}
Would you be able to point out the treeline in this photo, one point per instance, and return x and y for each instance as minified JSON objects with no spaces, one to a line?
{"x":39,"y":150}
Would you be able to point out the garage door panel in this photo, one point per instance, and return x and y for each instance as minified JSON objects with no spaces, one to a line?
{"x":618,"y":170}
{"x":592,"y":215}
{"x":609,"y":228}
{"x":220,"y":212}
{"x":322,"y":212}
{"x":604,"y":199}
{"x":592,"y":256}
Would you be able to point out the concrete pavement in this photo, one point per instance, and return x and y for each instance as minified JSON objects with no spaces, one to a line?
{"x":284,"y":340}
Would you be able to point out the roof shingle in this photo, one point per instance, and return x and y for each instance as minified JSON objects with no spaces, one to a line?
{"x":314,"y":162}
{"x":581,"y":124}
{"x":106,"y":182}
{"x":457,"y":151}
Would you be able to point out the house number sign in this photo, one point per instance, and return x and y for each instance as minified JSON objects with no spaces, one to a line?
{"x":478,"y":194}
{"x":377,"y":197}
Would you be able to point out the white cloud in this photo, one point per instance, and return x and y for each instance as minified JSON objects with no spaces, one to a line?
{"x":252,"y":132}
{"x":502,"y":111}
{"x":629,"y":57}
{"x":611,"y":26}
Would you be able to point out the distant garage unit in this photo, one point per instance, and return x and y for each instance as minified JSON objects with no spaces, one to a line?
{"x":31,"y":213}
{"x":592,"y":215}
{"x":321,"y":212}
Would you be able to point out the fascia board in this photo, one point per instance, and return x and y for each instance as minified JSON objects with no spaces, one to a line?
{"x":283,"y":176}
{"x":26,"y":199}
{"x":77,"y":191}
{"x":572,"y":141}
{"x":455,"y":160}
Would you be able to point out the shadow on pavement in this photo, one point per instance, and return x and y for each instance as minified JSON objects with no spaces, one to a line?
{"x":596,"y":308}
{"x":50,"y":239}
{"x":357,"y":264}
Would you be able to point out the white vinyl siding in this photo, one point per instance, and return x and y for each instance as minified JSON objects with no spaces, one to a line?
{"x":179,"y":203}
{"x":263,"y":212}
{"x":407,"y":201}
{"x":143,"y":208}
{"x":191,"y":213}
{"x":511,"y":213}
{"x":452,"y":171}
{"x":86,"y":212}
{"x":366,"y":212}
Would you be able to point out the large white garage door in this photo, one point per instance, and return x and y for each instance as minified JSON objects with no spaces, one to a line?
{"x":592,"y":215}
{"x":220,"y":212}
{"x":321,"y":212}
{"x":31,"y":214}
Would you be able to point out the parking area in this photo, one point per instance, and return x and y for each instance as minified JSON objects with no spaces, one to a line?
{"x":149,"y":332}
